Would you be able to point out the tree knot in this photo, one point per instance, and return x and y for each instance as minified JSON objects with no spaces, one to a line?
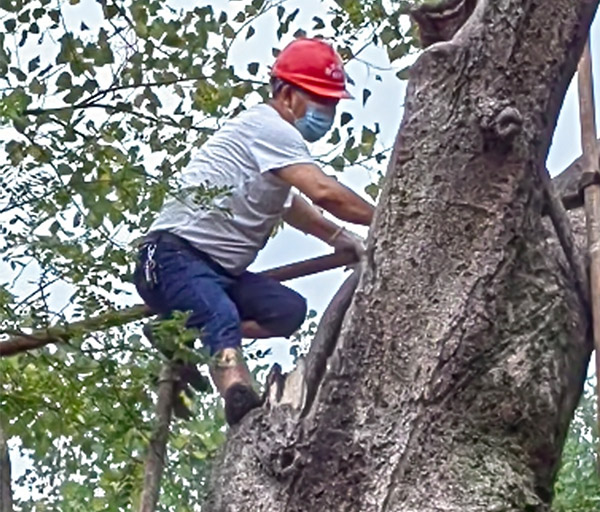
{"x":508,"y":123}
{"x":500,"y":122}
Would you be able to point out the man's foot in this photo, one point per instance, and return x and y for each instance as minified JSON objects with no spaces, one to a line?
{"x":240,"y":399}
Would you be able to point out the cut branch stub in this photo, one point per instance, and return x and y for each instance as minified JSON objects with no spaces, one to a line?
{"x":440,"y":21}
{"x":286,"y":389}
{"x":500,"y":122}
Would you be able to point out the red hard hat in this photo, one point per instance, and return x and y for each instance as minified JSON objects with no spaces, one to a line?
{"x":312,"y":65}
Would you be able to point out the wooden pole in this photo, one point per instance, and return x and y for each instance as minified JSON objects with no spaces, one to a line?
{"x":591,"y":194}
{"x":311,"y":266}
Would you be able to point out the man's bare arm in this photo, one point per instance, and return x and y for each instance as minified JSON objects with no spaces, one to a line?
{"x":328,"y":193}
{"x":306,"y":218}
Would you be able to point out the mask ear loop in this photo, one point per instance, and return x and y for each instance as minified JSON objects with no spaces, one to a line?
{"x":303,"y":94}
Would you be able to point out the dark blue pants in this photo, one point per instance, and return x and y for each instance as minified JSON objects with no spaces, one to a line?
{"x":187,"y":280}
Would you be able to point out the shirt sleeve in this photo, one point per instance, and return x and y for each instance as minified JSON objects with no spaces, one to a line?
{"x":277,"y":145}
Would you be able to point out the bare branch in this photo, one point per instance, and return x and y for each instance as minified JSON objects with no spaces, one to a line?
{"x":325,"y":339}
{"x":155,"y":459}
{"x":5,"y":474}
{"x":21,"y":341}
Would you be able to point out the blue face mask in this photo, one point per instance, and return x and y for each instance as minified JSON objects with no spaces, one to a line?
{"x":314,"y":124}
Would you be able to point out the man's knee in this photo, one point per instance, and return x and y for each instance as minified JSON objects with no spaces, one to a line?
{"x":220,"y":328}
{"x":292,"y":312}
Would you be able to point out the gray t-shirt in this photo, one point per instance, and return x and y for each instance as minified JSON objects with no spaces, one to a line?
{"x":239,"y":156}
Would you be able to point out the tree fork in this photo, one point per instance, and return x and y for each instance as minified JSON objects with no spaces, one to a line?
{"x":463,"y":353}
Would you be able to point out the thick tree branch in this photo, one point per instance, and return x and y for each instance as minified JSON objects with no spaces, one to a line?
{"x":440,"y":21}
{"x":21,"y":341}
{"x":323,"y":343}
{"x":555,"y":209}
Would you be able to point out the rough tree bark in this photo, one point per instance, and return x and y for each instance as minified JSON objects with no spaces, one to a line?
{"x":462,"y":355}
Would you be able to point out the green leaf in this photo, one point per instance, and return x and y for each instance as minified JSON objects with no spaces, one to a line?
{"x":338,"y":163}
{"x":351,"y":153}
{"x":404,"y":74}
{"x":318,"y":23}
{"x":10,"y":25}
{"x":34,"y":64}
{"x":345,"y":118}
{"x":366,"y":95}
{"x":397,"y":51}
{"x":335,"y":136}
{"x":253,"y":68}
{"x":37,"y":87}
{"x":21,"y":77}
{"x":54,"y":15}
{"x":74,"y":94}
{"x":388,"y":34}
{"x":228,"y":31}
{"x":64,"y":81}
{"x":372,"y":190}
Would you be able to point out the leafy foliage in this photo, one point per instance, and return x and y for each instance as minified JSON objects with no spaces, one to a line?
{"x":577,"y":488}
{"x":101,"y":104}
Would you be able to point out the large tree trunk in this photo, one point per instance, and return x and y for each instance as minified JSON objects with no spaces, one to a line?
{"x":462,"y":355}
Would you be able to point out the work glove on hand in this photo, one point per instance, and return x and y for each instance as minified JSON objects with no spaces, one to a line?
{"x":344,"y":240}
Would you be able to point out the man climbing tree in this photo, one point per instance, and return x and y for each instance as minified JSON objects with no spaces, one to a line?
{"x":195,"y":259}
{"x":451,"y":381}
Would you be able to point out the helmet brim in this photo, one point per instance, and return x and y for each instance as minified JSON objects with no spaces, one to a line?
{"x":327,"y":93}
